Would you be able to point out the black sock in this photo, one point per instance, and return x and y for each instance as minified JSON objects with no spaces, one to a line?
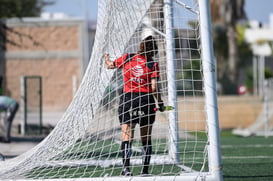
{"x":126,"y":153}
{"x":146,"y":155}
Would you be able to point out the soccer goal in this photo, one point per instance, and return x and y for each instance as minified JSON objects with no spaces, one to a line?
{"x":263,"y":125}
{"x":85,"y":144}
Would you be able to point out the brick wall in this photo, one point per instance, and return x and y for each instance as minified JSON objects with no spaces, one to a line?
{"x":50,"y":49}
{"x":56,"y":79}
{"x":48,"y":38}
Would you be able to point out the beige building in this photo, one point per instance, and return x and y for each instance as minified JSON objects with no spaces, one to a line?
{"x":54,"y":49}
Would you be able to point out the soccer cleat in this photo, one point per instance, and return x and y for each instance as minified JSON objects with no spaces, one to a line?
{"x":126,"y":172}
{"x":145,"y":174}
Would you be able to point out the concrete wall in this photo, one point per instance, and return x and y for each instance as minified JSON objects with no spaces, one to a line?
{"x":52,"y":49}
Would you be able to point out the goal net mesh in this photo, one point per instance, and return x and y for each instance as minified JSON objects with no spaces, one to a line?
{"x":263,"y":125}
{"x":86,"y":141}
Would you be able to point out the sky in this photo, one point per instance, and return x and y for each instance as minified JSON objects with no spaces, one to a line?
{"x":256,"y":9}
{"x":75,"y":8}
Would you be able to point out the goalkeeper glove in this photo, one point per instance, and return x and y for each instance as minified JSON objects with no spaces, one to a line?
{"x":161,"y":106}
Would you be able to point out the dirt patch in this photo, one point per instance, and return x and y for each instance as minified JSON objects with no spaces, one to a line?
{"x":234,"y":112}
{"x":238,"y":111}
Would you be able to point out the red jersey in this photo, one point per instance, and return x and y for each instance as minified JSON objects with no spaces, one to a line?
{"x":138,"y":72}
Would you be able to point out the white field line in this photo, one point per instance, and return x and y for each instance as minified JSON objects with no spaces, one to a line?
{"x":247,"y":146}
{"x":156,"y":159}
{"x":247,"y":157}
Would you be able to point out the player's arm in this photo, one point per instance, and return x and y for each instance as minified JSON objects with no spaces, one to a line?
{"x":108,"y":63}
{"x":157,"y":95}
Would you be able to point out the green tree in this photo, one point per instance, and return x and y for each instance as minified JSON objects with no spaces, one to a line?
{"x":244,"y":48}
{"x":18,"y":9}
{"x":22,"y":8}
{"x":225,"y":15}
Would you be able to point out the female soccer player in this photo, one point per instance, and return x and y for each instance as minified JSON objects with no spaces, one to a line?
{"x":137,"y":104}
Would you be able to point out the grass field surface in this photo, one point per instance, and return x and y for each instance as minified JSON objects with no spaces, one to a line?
{"x":243,"y":158}
{"x":246,"y":158}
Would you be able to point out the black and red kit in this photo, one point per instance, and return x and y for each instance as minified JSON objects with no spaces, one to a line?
{"x":137,"y":103}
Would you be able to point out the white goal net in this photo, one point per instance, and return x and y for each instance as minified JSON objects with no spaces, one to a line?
{"x":86,"y":142}
{"x":263,"y":125}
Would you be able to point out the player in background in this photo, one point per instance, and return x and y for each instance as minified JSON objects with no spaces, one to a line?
{"x":10,"y":106}
{"x":137,"y":103}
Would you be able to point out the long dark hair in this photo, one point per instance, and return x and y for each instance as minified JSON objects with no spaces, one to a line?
{"x":148,"y":47}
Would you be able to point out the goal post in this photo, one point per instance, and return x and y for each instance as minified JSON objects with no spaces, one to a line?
{"x":185,"y":144}
{"x":171,"y":76}
{"x":210,"y":90}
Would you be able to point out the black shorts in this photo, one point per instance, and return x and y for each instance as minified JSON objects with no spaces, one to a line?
{"x":136,"y":108}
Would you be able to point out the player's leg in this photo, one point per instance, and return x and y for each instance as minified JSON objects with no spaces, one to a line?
{"x":146,"y":126}
{"x":10,"y":114}
{"x":127,"y":128}
{"x":145,"y":132}
{"x":2,"y":157}
{"x":7,"y":125}
{"x":126,"y":147}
